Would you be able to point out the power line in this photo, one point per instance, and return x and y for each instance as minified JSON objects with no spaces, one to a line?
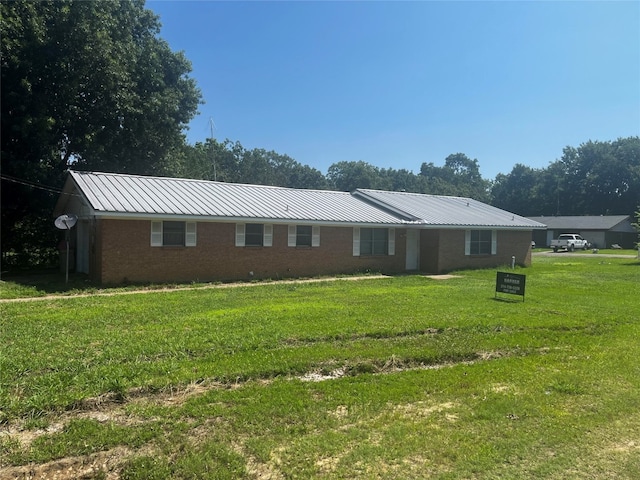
{"x":38,"y":186}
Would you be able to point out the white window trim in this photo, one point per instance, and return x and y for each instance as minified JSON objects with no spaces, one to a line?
{"x":190,"y":234}
{"x":356,"y":241}
{"x":467,"y":242}
{"x":156,"y":234}
{"x":239,"y":234}
{"x":391,"y":241}
{"x":267,"y":235}
{"x":292,"y":236}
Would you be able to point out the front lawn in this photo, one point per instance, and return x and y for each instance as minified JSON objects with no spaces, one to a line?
{"x":402,"y":377}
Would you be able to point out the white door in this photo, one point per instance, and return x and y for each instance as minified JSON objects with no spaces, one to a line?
{"x":413,"y":249}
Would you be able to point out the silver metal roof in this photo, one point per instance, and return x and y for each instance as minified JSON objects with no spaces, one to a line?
{"x":110,"y":194}
{"x":445,"y":211}
{"x":133,"y":195}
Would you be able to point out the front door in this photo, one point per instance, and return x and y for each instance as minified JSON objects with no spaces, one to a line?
{"x":413,"y":249}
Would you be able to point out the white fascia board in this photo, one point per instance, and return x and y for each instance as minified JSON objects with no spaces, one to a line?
{"x":433,"y":226}
{"x":274,"y":221}
{"x":290,"y":221}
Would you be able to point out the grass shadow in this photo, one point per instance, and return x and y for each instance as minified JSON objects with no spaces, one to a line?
{"x":508,"y":300}
{"x":49,"y":281}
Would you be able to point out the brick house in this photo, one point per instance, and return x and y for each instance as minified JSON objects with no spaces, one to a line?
{"x":155,"y":229}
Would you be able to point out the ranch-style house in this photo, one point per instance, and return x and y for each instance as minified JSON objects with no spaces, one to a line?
{"x":153,"y":229}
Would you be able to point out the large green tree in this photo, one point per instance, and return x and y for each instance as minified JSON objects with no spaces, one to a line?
{"x":595,"y":178}
{"x":460,"y":176}
{"x":347,"y":176}
{"x":600,"y":178}
{"x":89,"y":85}
{"x":229,"y":161}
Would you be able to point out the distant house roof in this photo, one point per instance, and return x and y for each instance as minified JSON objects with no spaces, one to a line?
{"x":586,"y":222}
{"x":134,"y":196}
{"x":446,"y":211}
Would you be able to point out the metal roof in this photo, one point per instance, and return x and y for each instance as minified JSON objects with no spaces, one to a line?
{"x":585,"y":222}
{"x":134,"y":195}
{"x":445,"y":211}
{"x":111,"y":194}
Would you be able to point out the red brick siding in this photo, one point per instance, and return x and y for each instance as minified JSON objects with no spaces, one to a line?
{"x":443,"y":250}
{"x":122,"y":252}
{"x":126,"y":255}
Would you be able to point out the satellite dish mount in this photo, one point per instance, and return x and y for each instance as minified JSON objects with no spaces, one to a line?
{"x":66,"y":223}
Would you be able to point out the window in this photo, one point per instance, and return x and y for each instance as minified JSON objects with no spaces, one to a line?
{"x":304,"y":236}
{"x":373,"y":241}
{"x":254,"y":235}
{"x":480,"y":242}
{"x":173,"y":234}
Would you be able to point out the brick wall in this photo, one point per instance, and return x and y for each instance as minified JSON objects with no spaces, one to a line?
{"x":123,"y":253}
{"x":443,"y":250}
{"x":126,"y":255}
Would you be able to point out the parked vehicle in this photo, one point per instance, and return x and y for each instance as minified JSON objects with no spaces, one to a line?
{"x":569,"y":242}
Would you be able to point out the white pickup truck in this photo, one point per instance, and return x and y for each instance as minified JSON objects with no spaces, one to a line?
{"x":570,"y":242}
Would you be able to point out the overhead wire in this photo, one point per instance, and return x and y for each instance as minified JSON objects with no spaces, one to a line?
{"x":21,"y":181}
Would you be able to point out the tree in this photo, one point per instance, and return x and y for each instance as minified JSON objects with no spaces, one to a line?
{"x":460,"y":176}
{"x":230,"y":162}
{"x":600,"y":178}
{"x":347,"y":176}
{"x":514,"y":192}
{"x":596,"y":178}
{"x":464,"y":174}
{"x":88,"y":85}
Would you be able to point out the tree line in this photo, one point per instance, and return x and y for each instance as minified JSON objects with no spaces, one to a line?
{"x":595,"y":178}
{"x":92,"y":86}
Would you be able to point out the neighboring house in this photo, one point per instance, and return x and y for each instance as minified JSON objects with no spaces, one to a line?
{"x":601,"y":231}
{"x":154,"y":229}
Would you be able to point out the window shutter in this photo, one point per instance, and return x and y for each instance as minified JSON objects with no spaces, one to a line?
{"x":356,"y":241}
{"x":156,"y":234}
{"x":267,"y":238}
{"x":467,"y":242}
{"x":239,"y":234}
{"x":392,"y":241}
{"x":291,"y":238}
{"x":315,"y":236}
{"x":190,"y":234}
{"x":494,"y":242}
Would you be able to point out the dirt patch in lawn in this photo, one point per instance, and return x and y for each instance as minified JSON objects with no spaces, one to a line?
{"x":104,"y":465}
{"x":111,"y":408}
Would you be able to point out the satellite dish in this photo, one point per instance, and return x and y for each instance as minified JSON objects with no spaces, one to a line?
{"x":66,"y":222}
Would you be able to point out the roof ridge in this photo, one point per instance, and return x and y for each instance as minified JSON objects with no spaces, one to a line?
{"x":199,"y":180}
{"x":395,"y":192}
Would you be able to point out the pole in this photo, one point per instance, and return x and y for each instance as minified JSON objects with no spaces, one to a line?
{"x":66,"y":278}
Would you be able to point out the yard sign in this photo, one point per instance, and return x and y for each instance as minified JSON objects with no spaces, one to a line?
{"x":511,"y":283}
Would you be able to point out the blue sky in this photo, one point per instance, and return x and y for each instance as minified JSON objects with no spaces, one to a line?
{"x":396,"y":84}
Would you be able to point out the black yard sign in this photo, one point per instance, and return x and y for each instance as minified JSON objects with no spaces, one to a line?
{"x":511,"y":283}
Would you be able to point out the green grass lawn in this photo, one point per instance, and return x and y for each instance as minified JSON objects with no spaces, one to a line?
{"x":415,"y":378}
